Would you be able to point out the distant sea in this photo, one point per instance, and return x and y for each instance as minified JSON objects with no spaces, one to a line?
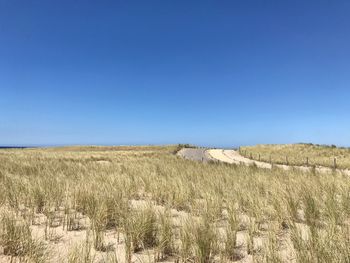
{"x":14,"y":147}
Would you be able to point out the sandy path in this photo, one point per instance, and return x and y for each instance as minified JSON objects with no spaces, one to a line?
{"x":232,"y":156}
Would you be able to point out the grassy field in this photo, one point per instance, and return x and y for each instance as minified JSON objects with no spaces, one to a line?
{"x":145,"y":204}
{"x":300,"y":154}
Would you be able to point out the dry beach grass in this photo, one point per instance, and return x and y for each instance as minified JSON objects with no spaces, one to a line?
{"x":145,"y":204}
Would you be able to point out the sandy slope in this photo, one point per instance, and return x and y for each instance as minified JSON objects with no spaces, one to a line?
{"x":195,"y":154}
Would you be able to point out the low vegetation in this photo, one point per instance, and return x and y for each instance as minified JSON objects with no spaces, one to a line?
{"x":146,"y":204}
{"x":300,"y":154}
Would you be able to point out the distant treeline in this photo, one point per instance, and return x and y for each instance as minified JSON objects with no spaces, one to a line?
{"x":325,"y":145}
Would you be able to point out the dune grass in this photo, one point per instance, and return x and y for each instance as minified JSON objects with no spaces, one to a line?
{"x":153,"y":201}
{"x":300,"y":154}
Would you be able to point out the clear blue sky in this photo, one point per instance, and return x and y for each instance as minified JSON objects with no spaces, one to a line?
{"x":216,"y":73}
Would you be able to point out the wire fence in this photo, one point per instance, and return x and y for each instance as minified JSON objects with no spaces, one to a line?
{"x":302,"y":161}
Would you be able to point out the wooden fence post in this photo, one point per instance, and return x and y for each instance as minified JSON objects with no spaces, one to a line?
{"x":287,"y":160}
{"x":259,"y":157}
{"x":335,"y":163}
{"x":307,"y":161}
{"x":251,"y":156}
